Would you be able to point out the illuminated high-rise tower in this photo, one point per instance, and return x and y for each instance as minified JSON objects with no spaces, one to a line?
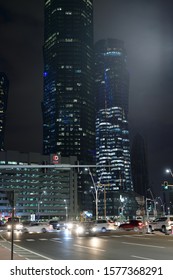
{"x":112,"y":133}
{"x":4,"y":87}
{"x":68,"y":102}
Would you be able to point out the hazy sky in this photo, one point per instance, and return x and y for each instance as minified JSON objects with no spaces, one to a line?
{"x":145,"y":26}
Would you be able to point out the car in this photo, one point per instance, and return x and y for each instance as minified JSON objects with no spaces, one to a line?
{"x":17,"y":226}
{"x":71,"y":224}
{"x":134,"y":225}
{"x":2,"y":223}
{"x":163,"y":223}
{"x":38,"y":227}
{"x":101,"y":225}
{"x":58,"y":224}
{"x":82,"y":228}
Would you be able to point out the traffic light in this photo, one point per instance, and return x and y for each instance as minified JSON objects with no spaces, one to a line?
{"x":165,"y":185}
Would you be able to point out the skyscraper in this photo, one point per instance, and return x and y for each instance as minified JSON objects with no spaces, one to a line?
{"x":112,"y":134}
{"x":68,"y":102}
{"x":4,"y":87}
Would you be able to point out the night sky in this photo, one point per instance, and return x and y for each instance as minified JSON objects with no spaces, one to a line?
{"x":145,"y":26}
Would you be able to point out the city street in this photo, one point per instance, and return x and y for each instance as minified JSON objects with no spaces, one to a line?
{"x":113,"y":245}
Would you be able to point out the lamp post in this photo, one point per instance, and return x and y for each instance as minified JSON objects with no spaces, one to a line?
{"x":154,"y":201}
{"x":66,"y":210}
{"x":39,"y":202}
{"x":96,"y":189}
{"x":96,"y":192}
{"x":162,"y":204}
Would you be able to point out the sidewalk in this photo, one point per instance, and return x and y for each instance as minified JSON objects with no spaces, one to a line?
{"x":5,"y":254}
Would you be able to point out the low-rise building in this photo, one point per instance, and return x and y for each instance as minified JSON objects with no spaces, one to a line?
{"x":40,"y":192}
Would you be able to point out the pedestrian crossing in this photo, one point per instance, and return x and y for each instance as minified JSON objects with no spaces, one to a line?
{"x":31,"y":255}
{"x":60,"y":240}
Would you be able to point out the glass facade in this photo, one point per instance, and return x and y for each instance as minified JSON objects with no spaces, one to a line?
{"x":4,"y":87}
{"x":113,"y":148}
{"x":112,"y":133}
{"x":68,"y":103}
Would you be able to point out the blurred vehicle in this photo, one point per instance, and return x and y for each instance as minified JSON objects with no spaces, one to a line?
{"x":83,"y":228}
{"x":38,"y":227}
{"x":70,"y":225}
{"x":134,"y":225}
{"x":58,"y":224}
{"x":101,"y":226}
{"x":16,"y":225}
{"x":2,"y":223}
{"x":163,"y":224}
{"x":54,"y":223}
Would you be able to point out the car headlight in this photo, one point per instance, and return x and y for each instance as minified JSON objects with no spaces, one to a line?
{"x":70,"y":226}
{"x":19,"y":227}
{"x":9,"y":227}
{"x":94,"y":229}
{"x":79,"y":230}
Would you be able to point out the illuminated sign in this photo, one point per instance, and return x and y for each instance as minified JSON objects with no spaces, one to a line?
{"x":55,"y":159}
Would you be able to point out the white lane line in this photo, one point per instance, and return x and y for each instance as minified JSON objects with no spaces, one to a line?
{"x":91,"y":248}
{"x":29,"y":239}
{"x":32,"y":252}
{"x":138,"y":257}
{"x":58,"y":241}
{"x":56,"y":238}
{"x":43,"y":239}
{"x":137,"y":236}
{"x":143,"y":245}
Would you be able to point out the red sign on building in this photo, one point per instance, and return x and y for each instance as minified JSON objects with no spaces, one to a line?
{"x":55,"y":159}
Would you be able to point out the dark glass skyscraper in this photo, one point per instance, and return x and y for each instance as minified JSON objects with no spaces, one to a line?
{"x":68,"y":103}
{"x":4,"y":87}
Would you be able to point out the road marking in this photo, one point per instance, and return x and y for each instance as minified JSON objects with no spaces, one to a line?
{"x":23,"y":251}
{"x":143,"y":258}
{"x":43,"y":239}
{"x":136,"y":236}
{"x":144,"y":245}
{"x":29,"y":239}
{"x":91,"y":248}
{"x":56,"y":240}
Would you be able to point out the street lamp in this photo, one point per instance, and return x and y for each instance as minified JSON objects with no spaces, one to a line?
{"x":168,"y":170}
{"x":96,"y":192}
{"x":154,"y":201}
{"x":40,"y":202}
{"x":66,"y":210}
{"x":162,"y":204}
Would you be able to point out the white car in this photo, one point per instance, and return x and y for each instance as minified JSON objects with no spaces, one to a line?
{"x":17,"y":226}
{"x":101,"y":226}
{"x":164,"y":224}
{"x":38,"y":227}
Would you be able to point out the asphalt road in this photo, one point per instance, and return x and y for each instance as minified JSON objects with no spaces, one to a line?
{"x":115,"y":245}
